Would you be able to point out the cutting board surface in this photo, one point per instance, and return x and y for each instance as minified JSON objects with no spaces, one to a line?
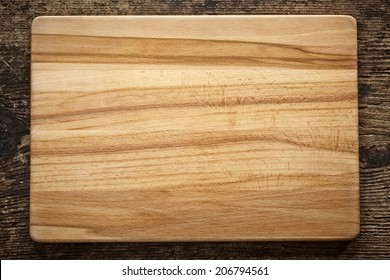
{"x":194,"y":128}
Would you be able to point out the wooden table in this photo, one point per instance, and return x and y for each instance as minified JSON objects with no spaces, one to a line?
{"x":373,"y":242}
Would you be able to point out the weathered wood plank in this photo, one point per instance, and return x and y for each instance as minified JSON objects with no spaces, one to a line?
{"x":373,"y":36}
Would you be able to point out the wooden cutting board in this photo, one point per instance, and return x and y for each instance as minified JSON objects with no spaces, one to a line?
{"x":194,"y":128}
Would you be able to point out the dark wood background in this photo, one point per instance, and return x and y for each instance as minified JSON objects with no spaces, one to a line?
{"x":374,"y":113}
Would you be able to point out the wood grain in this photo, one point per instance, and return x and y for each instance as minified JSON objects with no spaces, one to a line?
{"x":193,"y":215}
{"x":373,"y":241}
{"x":229,"y":134}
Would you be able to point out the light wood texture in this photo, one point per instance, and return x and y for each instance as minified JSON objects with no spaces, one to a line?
{"x":194,"y":128}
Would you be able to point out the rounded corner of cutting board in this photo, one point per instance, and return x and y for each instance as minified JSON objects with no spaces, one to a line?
{"x":350,"y":20}
{"x":37,"y":23}
{"x":37,"y":235}
{"x":354,"y":233}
